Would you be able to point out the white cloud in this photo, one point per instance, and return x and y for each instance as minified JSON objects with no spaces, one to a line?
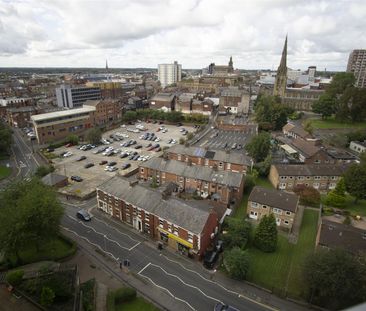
{"x":142,"y":33}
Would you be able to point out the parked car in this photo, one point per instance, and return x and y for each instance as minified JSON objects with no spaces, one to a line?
{"x":138,"y":146}
{"x":111,"y":168}
{"x":126,"y":166}
{"x":50,"y":149}
{"x":158,"y":149}
{"x":112,"y":163}
{"x":223,"y":307}
{"x":81,"y":158}
{"x":123,"y":155}
{"x":88,"y":165}
{"x":83,"y":215}
{"x":219,"y":245}
{"x":68,"y":145}
{"x":148,"y":145}
{"x":67,"y":154}
{"x":103,"y":162}
{"x":210,"y":259}
{"x":76,"y":178}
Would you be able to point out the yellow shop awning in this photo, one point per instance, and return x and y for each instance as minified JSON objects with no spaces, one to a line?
{"x":176,"y":238}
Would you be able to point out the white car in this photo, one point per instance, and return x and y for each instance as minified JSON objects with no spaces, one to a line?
{"x":164,"y":130}
{"x":157,"y":139}
{"x":173,"y":141}
{"x":110,"y":168}
{"x":123,"y":125}
{"x":68,"y":154}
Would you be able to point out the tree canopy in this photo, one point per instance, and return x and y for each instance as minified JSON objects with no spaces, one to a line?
{"x":265,"y":236}
{"x":270,"y":113}
{"x":5,"y":139}
{"x":335,"y":279}
{"x":236,"y":262}
{"x":355,"y":180}
{"x":259,"y":146}
{"x":237,"y":233}
{"x":30,"y":213}
{"x":94,"y":136}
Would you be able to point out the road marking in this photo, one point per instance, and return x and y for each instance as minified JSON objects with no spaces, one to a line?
{"x":96,"y":245}
{"x":15,"y":160}
{"x":109,"y":226}
{"x":144,"y":268}
{"x":167,"y":290}
{"x":189,"y":285}
{"x":105,"y":236}
{"x":223,"y":287}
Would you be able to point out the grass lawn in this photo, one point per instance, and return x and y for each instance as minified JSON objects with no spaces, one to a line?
{"x":53,"y":250}
{"x":136,"y":305}
{"x":281,"y":271}
{"x":264,"y":182}
{"x":333,"y":124}
{"x":355,"y":209}
{"x":4,"y":172}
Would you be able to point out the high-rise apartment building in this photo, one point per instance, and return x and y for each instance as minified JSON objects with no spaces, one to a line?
{"x":357,"y":65}
{"x":74,"y":96}
{"x":169,"y":73}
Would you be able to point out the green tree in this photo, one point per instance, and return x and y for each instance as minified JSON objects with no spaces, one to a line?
{"x":324,"y":106}
{"x":340,"y":83}
{"x":43,"y":170}
{"x":237,"y":232}
{"x":335,"y":279}
{"x":259,"y":146}
{"x":308,"y":127}
{"x":47,"y":296}
{"x":5,"y":139}
{"x":308,"y":195}
{"x":265,"y":236}
{"x":30,"y":213}
{"x":72,"y":139}
{"x":264,"y":167}
{"x":94,"y":136}
{"x":129,"y":116}
{"x":14,"y":277}
{"x":236,"y":262}
{"x":337,"y":197}
{"x":355,"y":180}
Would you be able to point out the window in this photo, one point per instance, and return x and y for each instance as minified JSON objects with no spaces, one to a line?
{"x":229,"y":166}
{"x":169,"y":227}
{"x":221,"y":164}
{"x":291,"y":177}
{"x":187,"y":180}
{"x":179,"y":157}
{"x":282,"y":186}
{"x":190,"y":237}
{"x":264,"y":206}
{"x":286,"y":222}
{"x":161,"y":223}
{"x":300,"y":177}
{"x":277,"y":211}
{"x":141,"y":169}
{"x":283,"y":177}
{"x":288,"y":213}
{"x":317,"y":177}
{"x":254,"y":205}
{"x":206,"y":162}
{"x":175,"y":230}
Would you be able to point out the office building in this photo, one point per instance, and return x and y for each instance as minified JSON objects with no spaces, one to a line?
{"x":169,"y":73}
{"x":68,"y":96}
{"x":357,"y":65}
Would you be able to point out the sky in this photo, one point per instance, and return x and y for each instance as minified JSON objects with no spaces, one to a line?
{"x":144,"y":33}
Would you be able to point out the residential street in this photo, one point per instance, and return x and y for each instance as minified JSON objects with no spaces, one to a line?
{"x":189,"y":286}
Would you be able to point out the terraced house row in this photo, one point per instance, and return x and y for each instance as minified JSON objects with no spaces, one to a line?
{"x":322,"y":177}
{"x":186,"y":226}
{"x":222,"y":186}
{"x":236,"y":162}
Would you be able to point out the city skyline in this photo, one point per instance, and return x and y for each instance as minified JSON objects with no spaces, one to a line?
{"x":195,"y":33}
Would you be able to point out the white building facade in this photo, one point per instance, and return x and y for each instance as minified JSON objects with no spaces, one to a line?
{"x":74,"y":97}
{"x":169,"y":73}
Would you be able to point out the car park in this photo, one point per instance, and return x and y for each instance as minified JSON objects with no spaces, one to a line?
{"x":83,"y":215}
{"x":76,"y":178}
{"x":88,"y":165}
{"x":81,"y":158}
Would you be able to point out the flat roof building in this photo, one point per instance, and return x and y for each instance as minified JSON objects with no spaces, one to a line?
{"x":74,"y":96}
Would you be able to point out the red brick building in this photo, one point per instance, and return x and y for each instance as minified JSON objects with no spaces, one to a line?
{"x":163,"y":101}
{"x":186,"y":226}
{"x":20,"y":117}
{"x":222,"y":186}
{"x":221,"y":160}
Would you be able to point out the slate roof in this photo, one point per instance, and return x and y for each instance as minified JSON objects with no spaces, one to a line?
{"x":304,"y":147}
{"x":310,"y":169}
{"x":337,"y":235}
{"x":298,"y":130}
{"x":218,"y":155}
{"x":168,"y":97}
{"x":52,"y":179}
{"x":204,"y":173}
{"x":274,"y":198}
{"x":189,"y":215}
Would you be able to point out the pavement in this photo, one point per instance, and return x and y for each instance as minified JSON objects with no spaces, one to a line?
{"x":171,"y":280}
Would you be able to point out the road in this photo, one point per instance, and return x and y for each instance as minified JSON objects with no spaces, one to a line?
{"x":24,"y":157}
{"x":192,"y":286}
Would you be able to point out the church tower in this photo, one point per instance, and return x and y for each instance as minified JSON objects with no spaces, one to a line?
{"x":231,"y":66}
{"x":281,"y":76}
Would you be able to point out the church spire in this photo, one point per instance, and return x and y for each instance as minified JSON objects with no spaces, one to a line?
{"x":281,"y":75}
{"x":106,"y":65}
{"x":231,"y":65}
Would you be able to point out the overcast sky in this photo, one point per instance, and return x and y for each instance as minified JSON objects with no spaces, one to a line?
{"x":143,"y":33}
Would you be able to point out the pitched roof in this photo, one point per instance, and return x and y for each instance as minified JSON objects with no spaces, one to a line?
{"x":337,"y":235}
{"x":163,"y":97}
{"x":274,"y":198}
{"x":52,"y":179}
{"x":310,"y":169}
{"x":218,"y":155}
{"x":204,"y":173}
{"x":304,"y":147}
{"x":189,"y":215}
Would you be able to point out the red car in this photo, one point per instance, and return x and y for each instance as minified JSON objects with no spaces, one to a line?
{"x":158,"y":130}
{"x":69,"y":145}
{"x":150,"y":148}
{"x":158,"y":149}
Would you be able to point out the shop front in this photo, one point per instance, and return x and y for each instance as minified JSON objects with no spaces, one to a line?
{"x":182,"y":246}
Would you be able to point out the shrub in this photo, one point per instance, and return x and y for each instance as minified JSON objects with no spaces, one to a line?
{"x":14,"y":277}
{"x":265,"y":237}
{"x":124,"y":294}
{"x":236,"y":262}
{"x":47,"y":296}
